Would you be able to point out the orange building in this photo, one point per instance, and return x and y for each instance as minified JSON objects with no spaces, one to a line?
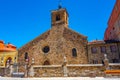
{"x":8,"y":52}
{"x":8,"y":47}
{"x":113,"y":30}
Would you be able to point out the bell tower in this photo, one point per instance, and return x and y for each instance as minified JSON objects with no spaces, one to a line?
{"x":59,"y":16}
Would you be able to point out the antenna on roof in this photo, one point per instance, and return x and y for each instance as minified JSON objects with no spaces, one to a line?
{"x":60,"y":4}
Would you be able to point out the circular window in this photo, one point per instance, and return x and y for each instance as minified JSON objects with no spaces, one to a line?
{"x":46,"y":49}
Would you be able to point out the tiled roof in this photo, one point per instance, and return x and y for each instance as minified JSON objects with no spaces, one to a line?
{"x":97,"y":42}
{"x":8,"y":47}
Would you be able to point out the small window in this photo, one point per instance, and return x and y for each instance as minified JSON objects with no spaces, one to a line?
{"x":94,"y":50}
{"x":26,"y":55}
{"x":113,"y":48}
{"x":57,"y":17}
{"x":103,"y":49}
{"x":74,"y":52}
{"x":113,"y":28}
{"x":46,"y":49}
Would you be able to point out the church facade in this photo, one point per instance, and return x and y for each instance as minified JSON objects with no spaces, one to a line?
{"x":61,"y":51}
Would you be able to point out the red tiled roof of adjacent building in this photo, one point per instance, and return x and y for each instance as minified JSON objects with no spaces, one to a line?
{"x":8,"y":47}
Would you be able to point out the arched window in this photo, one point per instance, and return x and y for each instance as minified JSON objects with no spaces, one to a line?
{"x":57,"y":17}
{"x":26,"y":56}
{"x":74,"y":52}
{"x":46,"y":62}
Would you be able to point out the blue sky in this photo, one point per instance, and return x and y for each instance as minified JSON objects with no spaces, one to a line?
{"x":23,"y":20}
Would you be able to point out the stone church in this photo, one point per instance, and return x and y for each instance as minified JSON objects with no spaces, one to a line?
{"x":51,"y":47}
{"x":59,"y":51}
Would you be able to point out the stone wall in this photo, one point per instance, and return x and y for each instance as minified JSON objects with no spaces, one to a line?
{"x":48,"y":72}
{"x":60,"y":78}
{"x":73,"y":70}
{"x":114,"y":66}
{"x":85,"y":71}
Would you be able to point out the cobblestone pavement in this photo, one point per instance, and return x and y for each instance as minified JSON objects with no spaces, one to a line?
{"x":60,"y":78}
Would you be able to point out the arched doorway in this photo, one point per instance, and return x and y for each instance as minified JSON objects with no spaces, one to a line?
{"x":46,"y":62}
{"x":8,"y":61}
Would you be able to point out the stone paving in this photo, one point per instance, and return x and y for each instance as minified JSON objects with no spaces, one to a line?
{"x":60,"y":78}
